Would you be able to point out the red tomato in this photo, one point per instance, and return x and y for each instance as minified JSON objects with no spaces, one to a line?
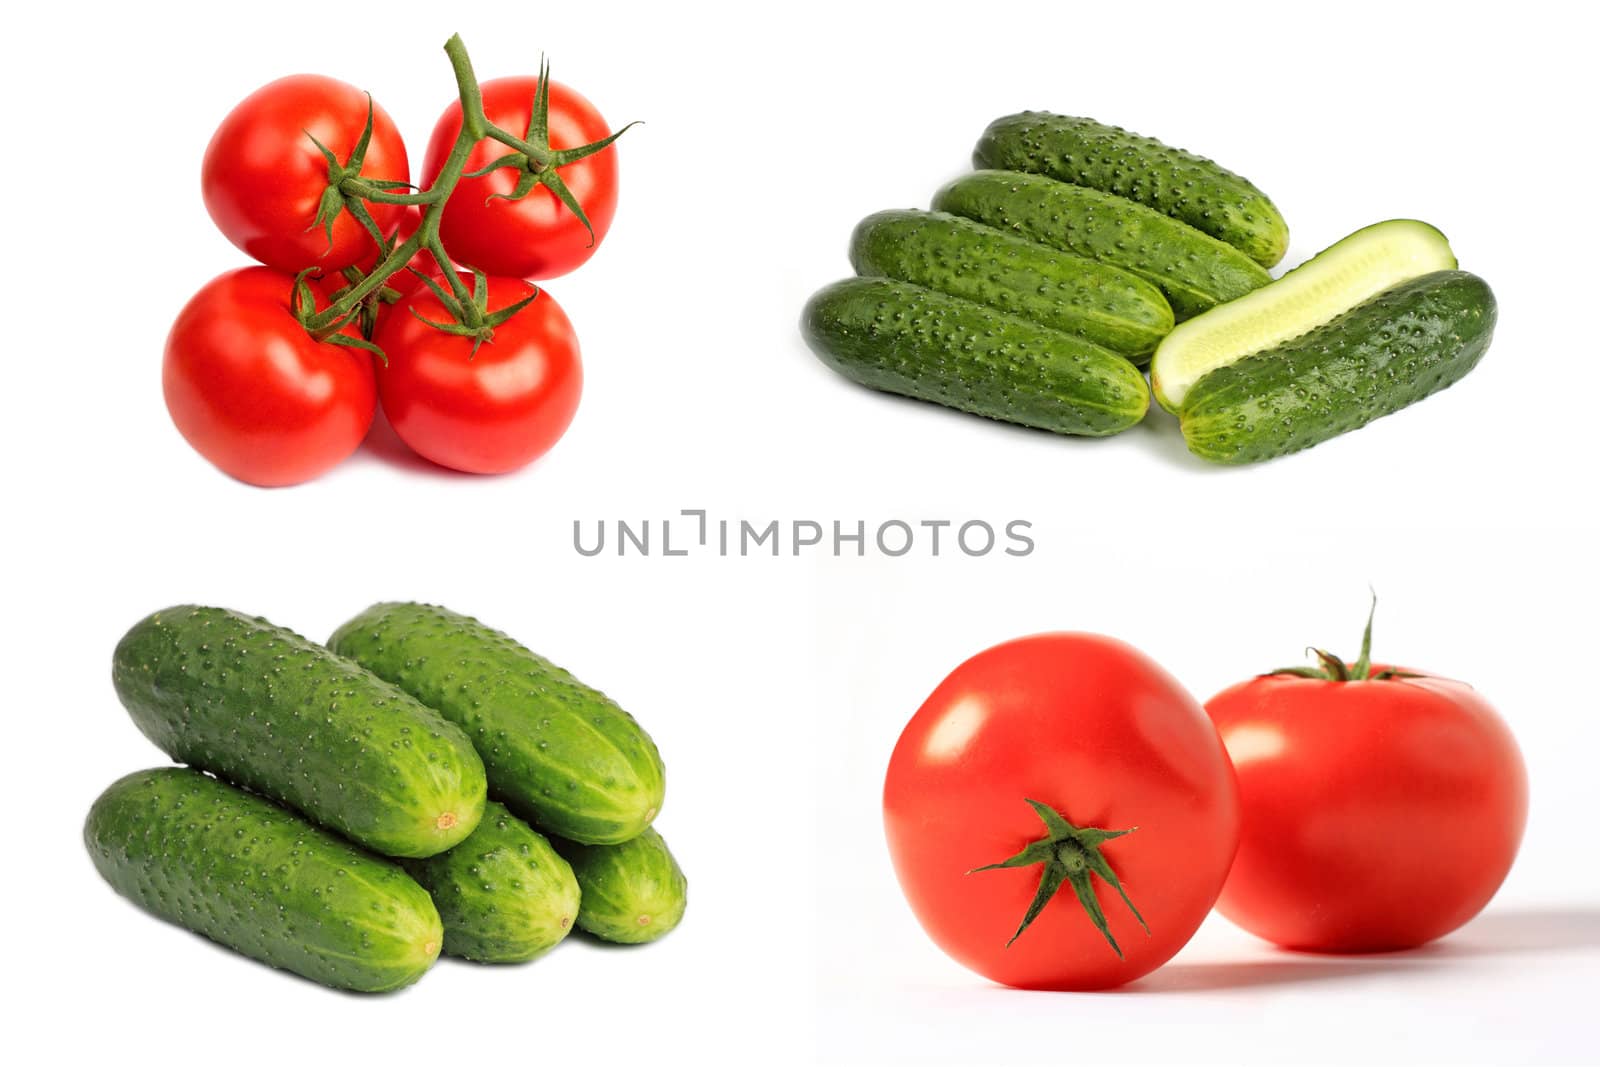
{"x":253,"y":392}
{"x":537,"y":236}
{"x":484,"y":413}
{"x":1097,"y":733}
{"x":263,"y":177}
{"x":1379,"y":813}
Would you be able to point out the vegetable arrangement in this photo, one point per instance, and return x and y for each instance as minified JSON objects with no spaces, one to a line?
{"x":1078,"y":253}
{"x":336,"y":821}
{"x":373,"y":290}
{"x":1061,"y":814}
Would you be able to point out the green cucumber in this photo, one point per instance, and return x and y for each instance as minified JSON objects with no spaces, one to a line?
{"x":248,"y":874}
{"x":1188,"y":187}
{"x":1193,"y":270}
{"x":267,"y":709}
{"x":504,"y":894}
{"x":1332,"y":282}
{"x":954,"y":255}
{"x":1399,"y":347}
{"x":915,"y":342}
{"x":561,"y":755}
{"x":632,"y":893}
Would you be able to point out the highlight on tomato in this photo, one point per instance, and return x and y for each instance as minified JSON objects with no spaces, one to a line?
{"x":1060,"y":813}
{"x":272,"y":173}
{"x":257,"y":394}
{"x":1382,"y":806}
{"x":483,"y":401}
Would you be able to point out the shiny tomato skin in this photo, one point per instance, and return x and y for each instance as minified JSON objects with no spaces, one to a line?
{"x":1098,"y":731}
{"x":484,"y":413}
{"x":253,"y":393}
{"x":1377,"y":815}
{"x":263,"y":178}
{"x":536,"y":237}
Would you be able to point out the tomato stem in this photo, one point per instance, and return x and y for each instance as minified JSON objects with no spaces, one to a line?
{"x":1069,"y":855}
{"x":1334,"y":668}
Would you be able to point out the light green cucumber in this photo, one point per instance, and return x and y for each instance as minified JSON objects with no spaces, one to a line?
{"x":266,"y":709}
{"x":561,"y":755}
{"x":632,"y":893}
{"x":954,"y":255}
{"x":242,"y":871}
{"x":1397,"y":348}
{"x":1193,"y":270}
{"x":504,"y":894}
{"x":917,"y":342}
{"x":1188,"y":187}
{"x":1332,"y":282}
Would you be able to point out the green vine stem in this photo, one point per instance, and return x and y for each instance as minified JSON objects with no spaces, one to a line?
{"x":466,"y":307}
{"x":1334,"y":668}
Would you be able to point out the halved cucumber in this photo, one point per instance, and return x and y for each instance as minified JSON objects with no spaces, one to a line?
{"x":1324,"y":287}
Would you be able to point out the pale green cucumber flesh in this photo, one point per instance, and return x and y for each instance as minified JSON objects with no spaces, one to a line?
{"x":1097,"y":301}
{"x":1337,"y":279}
{"x":916,"y":342}
{"x":1401,"y":346}
{"x":238,"y":869}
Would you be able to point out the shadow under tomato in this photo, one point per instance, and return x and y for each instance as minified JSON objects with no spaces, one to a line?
{"x":1500,"y":933}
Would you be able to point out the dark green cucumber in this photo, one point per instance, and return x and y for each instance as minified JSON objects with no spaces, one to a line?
{"x":954,"y":255}
{"x":267,"y":709}
{"x":916,"y":342}
{"x":1188,"y":187}
{"x":244,"y":872}
{"x":632,"y":893}
{"x":1193,"y":270}
{"x":504,"y":894}
{"x":559,"y":754}
{"x":1397,"y":348}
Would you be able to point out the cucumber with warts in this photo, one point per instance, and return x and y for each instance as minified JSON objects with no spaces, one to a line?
{"x":632,"y":893}
{"x":561,"y":755}
{"x":954,"y":255}
{"x":1332,"y":282}
{"x":504,"y":894}
{"x":1404,"y":344}
{"x":1193,"y":270}
{"x":238,"y":869}
{"x":266,"y":709}
{"x":1188,"y":187}
{"x":916,"y":342}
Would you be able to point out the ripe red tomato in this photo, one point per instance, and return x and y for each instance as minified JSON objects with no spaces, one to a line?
{"x":538,"y":236}
{"x":484,"y":413}
{"x":1090,"y":730}
{"x":253,"y":392}
{"x":1378,"y":813}
{"x":263,"y":177}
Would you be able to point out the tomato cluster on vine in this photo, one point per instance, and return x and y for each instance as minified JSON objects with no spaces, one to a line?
{"x":374,"y":292}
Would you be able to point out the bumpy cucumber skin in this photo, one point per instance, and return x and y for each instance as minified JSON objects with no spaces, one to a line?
{"x":250,"y":875}
{"x":1404,"y":344}
{"x":266,"y":709}
{"x":504,"y":894}
{"x":916,"y":342}
{"x":1208,"y":197}
{"x":1108,"y":306}
{"x":632,"y":893}
{"x":1193,"y":270}
{"x":561,"y":755}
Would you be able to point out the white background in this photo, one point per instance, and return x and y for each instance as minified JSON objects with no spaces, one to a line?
{"x":776,"y":687}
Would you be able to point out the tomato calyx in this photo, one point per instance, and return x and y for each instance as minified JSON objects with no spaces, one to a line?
{"x":345,"y":186}
{"x":1335,"y":669}
{"x":471,"y":318}
{"x":1070,"y":855}
{"x":303,"y":305}
{"x":536,"y":161}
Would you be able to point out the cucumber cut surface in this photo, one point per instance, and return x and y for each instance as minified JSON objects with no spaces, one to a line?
{"x":1324,"y":287}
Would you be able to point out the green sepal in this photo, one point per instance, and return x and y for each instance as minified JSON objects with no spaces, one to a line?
{"x":1069,"y":855}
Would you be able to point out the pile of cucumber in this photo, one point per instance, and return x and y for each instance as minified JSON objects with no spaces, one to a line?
{"x":1040,"y":286}
{"x":334,"y":817}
